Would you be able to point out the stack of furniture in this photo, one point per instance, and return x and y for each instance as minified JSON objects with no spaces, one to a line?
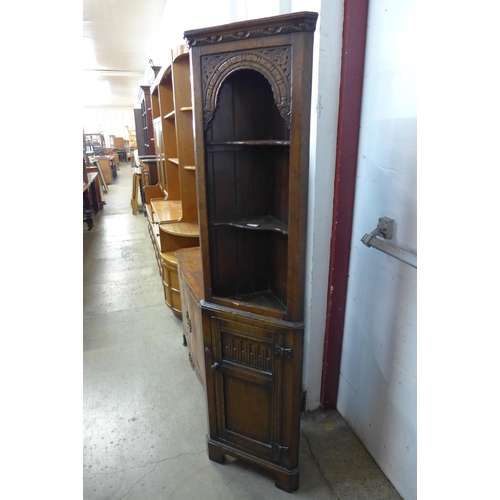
{"x":108,"y":166}
{"x":120,"y":148}
{"x":92,"y":200}
{"x":243,"y":290}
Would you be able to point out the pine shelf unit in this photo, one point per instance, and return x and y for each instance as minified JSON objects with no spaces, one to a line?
{"x":171,"y":205}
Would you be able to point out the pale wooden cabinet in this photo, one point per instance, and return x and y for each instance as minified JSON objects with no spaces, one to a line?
{"x":171,"y":205}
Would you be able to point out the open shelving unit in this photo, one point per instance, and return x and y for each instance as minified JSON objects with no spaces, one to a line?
{"x":171,"y":205}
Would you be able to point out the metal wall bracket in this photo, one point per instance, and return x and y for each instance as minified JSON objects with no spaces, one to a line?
{"x":385,"y":229}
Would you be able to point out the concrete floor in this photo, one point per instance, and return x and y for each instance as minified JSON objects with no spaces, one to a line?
{"x":144,"y":408}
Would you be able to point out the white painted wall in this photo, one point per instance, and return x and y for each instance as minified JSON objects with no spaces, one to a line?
{"x":378,"y":383}
{"x":108,"y":121}
{"x":324,"y":117}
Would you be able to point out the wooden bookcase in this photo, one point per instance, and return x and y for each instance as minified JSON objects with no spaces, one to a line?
{"x":171,"y":206}
{"x":147,"y":122}
{"x":252,"y":86}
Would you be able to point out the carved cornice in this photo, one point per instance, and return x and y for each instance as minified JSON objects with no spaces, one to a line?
{"x":273,"y":63}
{"x":277,"y":25}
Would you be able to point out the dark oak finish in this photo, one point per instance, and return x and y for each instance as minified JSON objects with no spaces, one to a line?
{"x":147,"y":122}
{"x":252,"y":86}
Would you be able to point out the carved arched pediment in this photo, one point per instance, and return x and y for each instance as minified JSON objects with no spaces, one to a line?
{"x":273,"y":64}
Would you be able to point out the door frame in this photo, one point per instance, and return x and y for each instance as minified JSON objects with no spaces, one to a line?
{"x":351,"y":87}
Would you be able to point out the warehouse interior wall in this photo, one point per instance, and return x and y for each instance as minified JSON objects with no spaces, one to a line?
{"x":378,"y":380}
{"x":108,"y":121}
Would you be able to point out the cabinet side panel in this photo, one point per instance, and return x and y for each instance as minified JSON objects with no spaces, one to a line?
{"x":299,"y":172}
{"x":281,"y":190}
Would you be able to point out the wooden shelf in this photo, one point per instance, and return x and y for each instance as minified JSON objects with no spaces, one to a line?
{"x":265,"y":223}
{"x":169,"y":257}
{"x":166,"y":210}
{"x":183,"y":229}
{"x":265,"y":299}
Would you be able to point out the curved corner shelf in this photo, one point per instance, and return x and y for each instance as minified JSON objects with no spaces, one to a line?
{"x":184,"y":229}
{"x":265,"y":223}
{"x":169,"y":257}
{"x":166,"y":210}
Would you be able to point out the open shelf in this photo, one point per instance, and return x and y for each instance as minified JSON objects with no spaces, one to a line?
{"x":166,"y":210}
{"x":264,"y":299}
{"x":169,"y":257}
{"x":184,"y":229}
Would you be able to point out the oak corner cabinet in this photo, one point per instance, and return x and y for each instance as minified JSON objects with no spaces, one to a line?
{"x":252,"y":100}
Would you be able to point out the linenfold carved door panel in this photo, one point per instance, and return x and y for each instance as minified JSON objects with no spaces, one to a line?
{"x":248,"y":384}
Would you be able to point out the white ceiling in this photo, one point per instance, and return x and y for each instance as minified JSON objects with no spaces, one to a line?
{"x":117,"y":40}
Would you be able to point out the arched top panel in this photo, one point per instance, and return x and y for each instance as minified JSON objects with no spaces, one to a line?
{"x":272,"y":63}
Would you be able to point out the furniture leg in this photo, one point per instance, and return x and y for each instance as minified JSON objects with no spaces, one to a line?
{"x":88,"y":212}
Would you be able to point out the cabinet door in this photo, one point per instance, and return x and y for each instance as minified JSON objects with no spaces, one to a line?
{"x":247,"y":369}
